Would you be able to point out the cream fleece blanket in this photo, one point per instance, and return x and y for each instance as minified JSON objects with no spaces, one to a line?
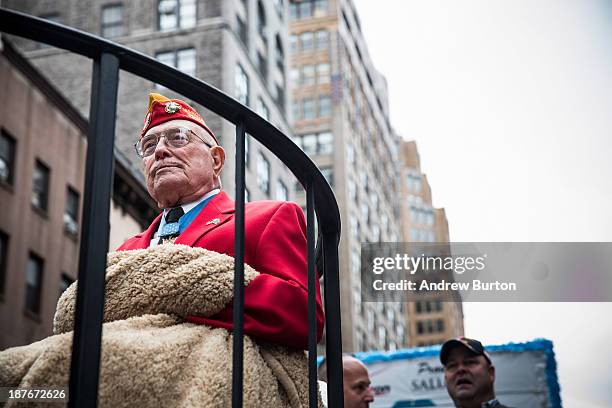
{"x":150,"y":357}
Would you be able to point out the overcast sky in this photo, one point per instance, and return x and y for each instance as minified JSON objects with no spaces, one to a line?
{"x":510,"y":103}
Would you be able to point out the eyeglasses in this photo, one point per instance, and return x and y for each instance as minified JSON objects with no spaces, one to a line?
{"x":176,"y":138}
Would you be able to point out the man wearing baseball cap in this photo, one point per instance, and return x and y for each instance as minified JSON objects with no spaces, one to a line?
{"x":182,"y":162}
{"x":469,"y":374}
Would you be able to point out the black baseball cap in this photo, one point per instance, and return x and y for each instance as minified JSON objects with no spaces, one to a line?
{"x":474,"y":346}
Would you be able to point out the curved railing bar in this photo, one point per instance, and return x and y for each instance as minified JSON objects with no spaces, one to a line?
{"x":109,"y":57}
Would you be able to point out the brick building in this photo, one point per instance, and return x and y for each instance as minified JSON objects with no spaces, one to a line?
{"x":42,"y":171}
{"x":430,"y":318}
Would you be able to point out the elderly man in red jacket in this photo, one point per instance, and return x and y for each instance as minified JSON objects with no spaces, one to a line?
{"x":182,"y":162}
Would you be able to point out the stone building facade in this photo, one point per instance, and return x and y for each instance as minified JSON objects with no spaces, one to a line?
{"x":238,"y":46}
{"x":341,"y":119}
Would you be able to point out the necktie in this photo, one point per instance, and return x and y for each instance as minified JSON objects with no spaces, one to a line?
{"x":171,"y":229}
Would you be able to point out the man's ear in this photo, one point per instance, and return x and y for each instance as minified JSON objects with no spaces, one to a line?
{"x":218,"y":156}
{"x":492,"y":372}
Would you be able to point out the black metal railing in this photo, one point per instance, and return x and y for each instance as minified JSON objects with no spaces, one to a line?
{"x":108,"y":58}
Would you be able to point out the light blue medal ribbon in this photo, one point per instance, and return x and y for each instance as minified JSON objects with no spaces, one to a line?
{"x":170,"y":229}
{"x":175,"y":228}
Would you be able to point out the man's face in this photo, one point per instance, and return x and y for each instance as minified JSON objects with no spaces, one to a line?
{"x":469,"y":378}
{"x":176,"y":176}
{"x":357,"y":391}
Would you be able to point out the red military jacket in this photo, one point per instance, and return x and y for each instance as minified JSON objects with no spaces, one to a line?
{"x":275,"y":302}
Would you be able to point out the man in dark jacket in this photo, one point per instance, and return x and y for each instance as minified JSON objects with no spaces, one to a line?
{"x":469,"y":374}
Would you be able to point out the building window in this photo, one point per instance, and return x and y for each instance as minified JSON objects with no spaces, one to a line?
{"x":263,"y":174}
{"x":382,"y":336}
{"x":308,"y":75}
{"x":184,"y":60}
{"x":440,"y":325}
{"x":322,"y":39}
{"x":243,"y":33}
{"x":324,"y":107}
{"x":308,"y":143}
{"x":280,"y":97}
{"x":384,"y":222}
{"x":325,"y":142}
{"x":241,"y":85}
{"x":355,"y":265}
{"x":262,"y":109}
{"x":320,"y":7}
{"x":371,"y":322}
{"x":376,"y":233}
{"x":316,"y":143}
{"x":354,"y":228}
{"x":282,"y":193}
{"x":430,"y":217}
{"x":112,"y":21}
{"x":34,"y":274}
{"x":294,"y":76}
{"x":176,"y":14}
{"x":430,"y":326}
{"x":247,"y":146}
{"x":308,"y":8}
{"x":323,"y":73}
{"x":3,"y":260}
{"x":357,"y":300}
{"x":309,"y":108}
{"x":40,"y":187}
{"x":420,"y":327}
{"x":350,"y":153}
{"x":399,"y":334}
{"x":352,"y":190}
{"x":364,"y":181}
{"x":262,"y":65}
{"x":261,"y":22}
{"x":280,"y":54}
{"x":365,"y":213}
{"x":328,"y":173}
{"x":306,"y":42}
{"x":293,"y":43}
{"x":71,"y":213}
{"x":305,"y":9}
{"x":7,"y":158}
{"x":65,"y":282}
{"x":296,"y":113}
{"x":391,"y":316}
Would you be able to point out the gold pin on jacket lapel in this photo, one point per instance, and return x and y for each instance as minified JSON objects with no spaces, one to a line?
{"x":214,"y":221}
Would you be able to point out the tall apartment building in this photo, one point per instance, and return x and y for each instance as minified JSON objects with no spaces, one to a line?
{"x":430,"y":318}
{"x":341,"y":119}
{"x":237,"y":46}
{"x":42,"y":172}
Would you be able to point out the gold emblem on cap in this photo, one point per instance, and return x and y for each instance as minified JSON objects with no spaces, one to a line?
{"x":172,"y":107}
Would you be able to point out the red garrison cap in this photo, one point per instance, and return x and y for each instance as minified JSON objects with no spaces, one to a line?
{"x":162,"y":109}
